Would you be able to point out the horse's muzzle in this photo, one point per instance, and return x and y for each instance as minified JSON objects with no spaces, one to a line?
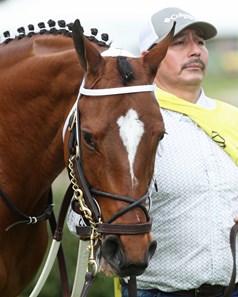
{"x":120,"y":263}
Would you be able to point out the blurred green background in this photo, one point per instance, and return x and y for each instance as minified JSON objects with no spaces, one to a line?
{"x":221,"y":82}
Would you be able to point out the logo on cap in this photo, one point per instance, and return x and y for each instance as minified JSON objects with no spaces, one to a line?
{"x":174,"y":17}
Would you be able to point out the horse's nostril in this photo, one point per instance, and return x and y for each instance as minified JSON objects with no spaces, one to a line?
{"x":110,"y":247}
{"x":112,"y":252}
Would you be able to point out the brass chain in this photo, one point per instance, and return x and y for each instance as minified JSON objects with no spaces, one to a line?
{"x":78,"y":194}
{"x":95,"y":235}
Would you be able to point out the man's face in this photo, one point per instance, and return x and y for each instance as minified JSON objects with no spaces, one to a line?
{"x":186,"y":60}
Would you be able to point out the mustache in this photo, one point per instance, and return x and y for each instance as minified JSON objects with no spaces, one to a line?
{"x":194,"y":61}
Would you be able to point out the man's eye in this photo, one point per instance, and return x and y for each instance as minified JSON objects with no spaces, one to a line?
{"x":178,"y":42}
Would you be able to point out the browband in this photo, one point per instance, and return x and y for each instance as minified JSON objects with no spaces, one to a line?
{"x":107,"y":92}
{"x":114,"y":91}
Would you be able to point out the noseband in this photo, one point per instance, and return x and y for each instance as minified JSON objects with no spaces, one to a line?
{"x":83,"y":202}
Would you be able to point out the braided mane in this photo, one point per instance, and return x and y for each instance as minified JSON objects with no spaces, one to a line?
{"x":64,"y":29}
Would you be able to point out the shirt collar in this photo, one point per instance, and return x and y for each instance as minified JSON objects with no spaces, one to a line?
{"x":205,"y":101}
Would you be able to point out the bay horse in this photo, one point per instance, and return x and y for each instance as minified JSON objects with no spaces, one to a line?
{"x":118,"y":135}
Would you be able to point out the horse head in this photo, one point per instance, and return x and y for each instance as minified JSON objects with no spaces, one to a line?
{"x":118,"y":128}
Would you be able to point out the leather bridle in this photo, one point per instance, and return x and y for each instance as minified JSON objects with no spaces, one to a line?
{"x":83,"y":201}
{"x":76,"y":170}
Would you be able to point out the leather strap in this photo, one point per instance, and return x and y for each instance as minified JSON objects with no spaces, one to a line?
{"x":204,"y":290}
{"x":82,"y":183}
{"x":89,"y":278}
{"x":61,"y":261}
{"x":62,"y":214}
{"x":25,"y":219}
{"x":125,"y":228}
{"x":84,"y":232}
{"x":231,"y":285}
{"x":132,"y":287}
{"x":57,"y":230}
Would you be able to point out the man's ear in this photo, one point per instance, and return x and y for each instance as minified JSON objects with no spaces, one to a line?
{"x":143,"y":53}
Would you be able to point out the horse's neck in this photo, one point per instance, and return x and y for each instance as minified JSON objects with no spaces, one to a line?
{"x":40,"y":84}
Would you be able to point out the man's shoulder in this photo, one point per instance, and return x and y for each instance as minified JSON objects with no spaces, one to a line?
{"x":227,"y":111}
{"x":226,"y":106}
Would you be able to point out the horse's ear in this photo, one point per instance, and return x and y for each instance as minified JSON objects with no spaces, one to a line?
{"x":78,"y":43}
{"x":89,"y":57}
{"x":154,"y":57}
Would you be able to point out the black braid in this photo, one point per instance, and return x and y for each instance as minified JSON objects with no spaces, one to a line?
{"x":43,"y":30}
{"x":31,"y":30}
{"x":64,"y":29}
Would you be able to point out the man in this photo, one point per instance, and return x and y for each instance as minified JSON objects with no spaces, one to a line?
{"x":196,"y":170}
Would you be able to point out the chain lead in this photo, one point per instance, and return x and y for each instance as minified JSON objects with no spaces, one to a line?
{"x":95,"y":235}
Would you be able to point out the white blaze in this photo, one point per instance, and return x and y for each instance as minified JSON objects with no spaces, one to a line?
{"x":131,"y":131}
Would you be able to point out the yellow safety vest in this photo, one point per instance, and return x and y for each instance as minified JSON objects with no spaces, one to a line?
{"x":221,"y":123}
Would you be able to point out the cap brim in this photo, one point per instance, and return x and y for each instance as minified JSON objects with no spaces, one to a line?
{"x":208,"y":30}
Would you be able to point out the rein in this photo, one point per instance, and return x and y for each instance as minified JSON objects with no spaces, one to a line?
{"x":25,"y":219}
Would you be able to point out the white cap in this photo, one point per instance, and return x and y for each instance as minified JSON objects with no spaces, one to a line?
{"x":161,"y":22}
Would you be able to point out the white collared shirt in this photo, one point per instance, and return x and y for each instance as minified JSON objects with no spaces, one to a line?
{"x":193,"y":209}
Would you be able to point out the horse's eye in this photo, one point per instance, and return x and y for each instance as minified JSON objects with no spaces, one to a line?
{"x":162,"y":135}
{"x":88,"y":138}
